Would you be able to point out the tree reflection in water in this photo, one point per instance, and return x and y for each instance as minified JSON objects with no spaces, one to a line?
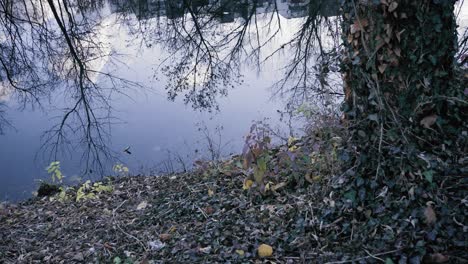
{"x":52,"y":46}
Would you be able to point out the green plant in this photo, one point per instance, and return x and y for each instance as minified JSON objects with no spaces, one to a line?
{"x":256,"y":154}
{"x":88,"y":191}
{"x":54,"y":170}
{"x":120,"y":169}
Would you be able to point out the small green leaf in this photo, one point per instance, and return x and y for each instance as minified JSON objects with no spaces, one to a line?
{"x":388,"y":261}
{"x":428,"y":175}
{"x":351,"y":195}
{"x":117,"y":260}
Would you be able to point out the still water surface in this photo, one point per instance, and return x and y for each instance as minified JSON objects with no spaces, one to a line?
{"x":148,"y":123}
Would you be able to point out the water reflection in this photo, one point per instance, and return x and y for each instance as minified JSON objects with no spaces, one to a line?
{"x":146,"y":120}
{"x":225,"y":11}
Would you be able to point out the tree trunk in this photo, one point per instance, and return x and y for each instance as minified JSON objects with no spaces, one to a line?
{"x":405,"y":104}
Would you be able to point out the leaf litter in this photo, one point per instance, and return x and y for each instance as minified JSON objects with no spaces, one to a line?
{"x":215,"y":217}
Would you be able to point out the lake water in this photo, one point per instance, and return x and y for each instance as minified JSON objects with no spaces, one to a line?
{"x":148,"y":123}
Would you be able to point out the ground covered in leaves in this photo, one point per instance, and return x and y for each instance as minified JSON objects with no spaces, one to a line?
{"x":177,"y":219}
{"x":279,"y":206}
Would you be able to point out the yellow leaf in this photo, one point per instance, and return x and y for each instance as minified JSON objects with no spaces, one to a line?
{"x":293,"y":148}
{"x":279,"y":186}
{"x":291,"y":140}
{"x":210,"y":192}
{"x":265,"y":250}
{"x":240,"y":252}
{"x":312,"y":179}
{"x":247,"y":184}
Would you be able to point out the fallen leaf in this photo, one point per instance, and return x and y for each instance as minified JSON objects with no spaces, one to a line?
{"x":205,"y":250}
{"x":209,"y":210}
{"x":156,"y":245}
{"x":428,"y":121}
{"x":165,"y":237}
{"x":247,"y":184}
{"x":268,"y":186}
{"x":397,"y":52}
{"x":240,"y":252}
{"x":382,"y":68}
{"x":142,"y":205}
{"x":430,"y":215}
{"x":392,"y":7}
{"x":312,"y":179}
{"x":356,"y":26}
{"x":279,"y":186}
{"x":436,"y":258}
{"x":265,"y":250}
{"x":210,"y":192}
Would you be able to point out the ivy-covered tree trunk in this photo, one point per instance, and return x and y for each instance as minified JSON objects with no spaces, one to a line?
{"x":407,"y":114}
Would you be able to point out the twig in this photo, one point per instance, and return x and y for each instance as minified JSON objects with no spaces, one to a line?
{"x":123,"y":231}
{"x":206,"y":217}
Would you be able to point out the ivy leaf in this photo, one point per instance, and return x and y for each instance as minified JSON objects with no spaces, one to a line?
{"x":429,"y":175}
{"x":117,"y":260}
{"x":351,"y":195}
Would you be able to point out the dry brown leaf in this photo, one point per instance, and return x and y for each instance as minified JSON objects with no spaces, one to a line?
{"x":430,"y":215}
{"x":359,"y":24}
{"x":382,"y":68}
{"x":209,"y":210}
{"x":397,"y":52}
{"x":436,"y":258}
{"x":165,"y":237}
{"x":308,"y":177}
{"x":428,"y":121}
{"x":392,"y":7}
{"x":398,"y":35}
